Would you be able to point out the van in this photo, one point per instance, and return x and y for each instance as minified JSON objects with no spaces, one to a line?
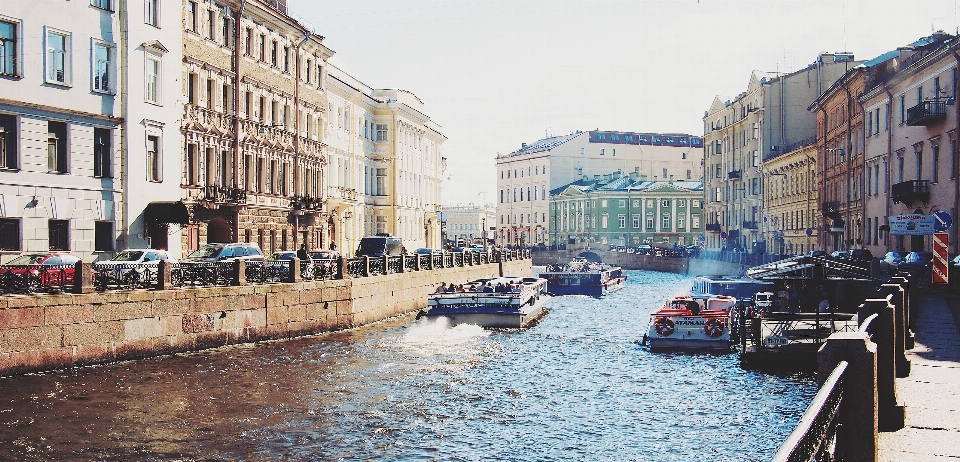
{"x":378,"y":246}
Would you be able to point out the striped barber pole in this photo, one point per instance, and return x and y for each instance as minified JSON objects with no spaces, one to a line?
{"x":940,"y":270}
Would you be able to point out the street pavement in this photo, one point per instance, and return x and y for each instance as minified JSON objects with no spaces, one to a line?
{"x":931,"y":394}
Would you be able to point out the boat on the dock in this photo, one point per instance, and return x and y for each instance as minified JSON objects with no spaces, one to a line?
{"x":583,"y":277}
{"x":688,"y":322}
{"x":741,"y":288}
{"x":500,"y":302}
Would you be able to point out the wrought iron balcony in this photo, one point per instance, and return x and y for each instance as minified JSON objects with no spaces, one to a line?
{"x":715,"y":227}
{"x":831,"y":209}
{"x":910,"y":191}
{"x":306,"y":203}
{"x":927,"y":113}
{"x":734,"y":175}
{"x":224,"y":195}
{"x":733,"y":234}
{"x":751,"y":225}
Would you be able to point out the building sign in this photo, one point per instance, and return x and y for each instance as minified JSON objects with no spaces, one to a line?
{"x":940,"y":269}
{"x":911,"y":225}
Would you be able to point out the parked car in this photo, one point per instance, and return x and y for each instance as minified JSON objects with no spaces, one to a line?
{"x":891,"y":260}
{"x":325,"y":255}
{"x":225,"y":252}
{"x":325,"y":262}
{"x":428,"y":251}
{"x":37,"y":272}
{"x":645,"y":249}
{"x":817,"y":253}
{"x":131,"y":266}
{"x":859,"y":255}
{"x":379,"y":245}
{"x":840,"y":255}
{"x":917,"y":263}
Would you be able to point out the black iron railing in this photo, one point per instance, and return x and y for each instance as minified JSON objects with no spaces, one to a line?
{"x":927,"y":113}
{"x":815,"y":435}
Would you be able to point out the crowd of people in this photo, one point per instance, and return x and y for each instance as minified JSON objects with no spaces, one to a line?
{"x":444,"y":288}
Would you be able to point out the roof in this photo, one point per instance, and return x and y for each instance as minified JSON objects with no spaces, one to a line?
{"x":610,"y":183}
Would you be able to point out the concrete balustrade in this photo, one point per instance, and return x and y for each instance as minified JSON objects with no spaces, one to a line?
{"x":858,"y":415}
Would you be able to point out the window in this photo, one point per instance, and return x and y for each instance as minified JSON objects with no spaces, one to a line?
{"x":603,"y":221}
{"x":903,"y":108}
{"x":209,"y":96}
{"x":154,"y":173}
{"x":636,"y":221}
{"x":211,"y":24}
{"x":623,"y":203}
{"x":953,"y":158}
{"x":193,"y":165}
{"x":248,"y":42}
{"x":381,"y":132}
{"x":58,"y":57}
{"x":262,"y":47}
{"x":689,"y":174}
{"x":59,"y":232}
{"x":273,"y":53}
{"x":695,"y":203}
{"x":650,"y":224}
{"x":665,"y":203}
{"x":102,"y":4}
{"x":103,"y":236}
{"x":151,"y":12}
{"x":622,"y":220}
{"x":57,"y":147}
{"x":681,"y":222}
{"x":192,"y":16}
{"x":286,"y":60}
{"x":695,"y":222}
{"x":664,"y":174}
{"x":9,"y":234}
{"x":102,"y":69}
{"x":152,"y":77}
{"x":381,"y":185}
{"x":226,"y":30}
{"x":102,"y":152}
{"x":8,"y":47}
{"x":8,"y":142}
{"x":665,"y":222}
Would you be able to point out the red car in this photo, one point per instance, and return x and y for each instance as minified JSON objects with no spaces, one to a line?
{"x":35,"y":272}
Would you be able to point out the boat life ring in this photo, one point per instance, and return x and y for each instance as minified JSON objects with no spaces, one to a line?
{"x":713,"y":327}
{"x":663,"y":326}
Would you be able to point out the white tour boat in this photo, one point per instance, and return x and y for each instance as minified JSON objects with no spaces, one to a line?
{"x":500,"y":302}
{"x":686,"y":322}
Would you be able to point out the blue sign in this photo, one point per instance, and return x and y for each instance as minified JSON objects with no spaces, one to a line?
{"x":911,"y":224}
{"x":809,"y":232}
{"x":942,"y":221}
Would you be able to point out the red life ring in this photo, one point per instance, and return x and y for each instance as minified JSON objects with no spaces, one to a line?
{"x":663,"y":326}
{"x":714,"y":327}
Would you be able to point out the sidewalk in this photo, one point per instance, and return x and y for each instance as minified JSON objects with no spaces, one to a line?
{"x":931,"y":394}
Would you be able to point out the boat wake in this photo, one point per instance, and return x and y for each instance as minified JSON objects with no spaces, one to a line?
{"x":437,"y":333}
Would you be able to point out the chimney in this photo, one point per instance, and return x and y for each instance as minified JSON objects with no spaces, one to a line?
{"x":523,"y":145}
{"x":671,"y":178}
{"x":634,"y":175}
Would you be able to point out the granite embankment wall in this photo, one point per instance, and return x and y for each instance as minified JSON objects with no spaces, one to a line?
{"x":45,"y":332}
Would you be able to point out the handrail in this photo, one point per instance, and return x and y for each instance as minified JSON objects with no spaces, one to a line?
{"x":817,"y":428}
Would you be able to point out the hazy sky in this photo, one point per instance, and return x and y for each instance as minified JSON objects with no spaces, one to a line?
{"x":498,"y":73}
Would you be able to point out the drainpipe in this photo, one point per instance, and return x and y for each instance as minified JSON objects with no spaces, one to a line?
{"x":237,"y":58}
{"x":296,"y":125}
{"x":886,"y":169}
{"x":124,"y":93}
{"x":956,"y":165}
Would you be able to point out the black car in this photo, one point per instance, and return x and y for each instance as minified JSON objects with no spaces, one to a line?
{"x":891,"y":260}
{"x":917,"y":263}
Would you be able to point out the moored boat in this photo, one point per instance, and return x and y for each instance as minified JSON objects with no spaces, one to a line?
{"x":686,"y":322}
{"x":501,"y":302}
{"x":582,"y":277}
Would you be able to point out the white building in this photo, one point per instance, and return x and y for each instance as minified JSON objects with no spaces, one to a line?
{"x":69,"y":114}
{"x":384,"y":164}
{"x":526,"y":176}
{"x":470,"y":223}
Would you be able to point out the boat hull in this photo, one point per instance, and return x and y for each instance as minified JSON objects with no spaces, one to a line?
{"x":591,"y":282}
{"x":692,"y":323}
{"x":593,"y":290}
{"x":489,"y":316}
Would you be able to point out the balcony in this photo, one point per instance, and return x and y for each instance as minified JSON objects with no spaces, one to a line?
{"x":751,"y":225}
{"x":715,"y":227}
{"x":927,"y":113}
{"x":224,"y":195}
{"x":831,"y":210}
{"x":734,"y":175}
{"x":909,"y":191}
{"x":306,"y":203}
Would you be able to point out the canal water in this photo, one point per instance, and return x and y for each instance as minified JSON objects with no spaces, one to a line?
{"x":577,"y":386}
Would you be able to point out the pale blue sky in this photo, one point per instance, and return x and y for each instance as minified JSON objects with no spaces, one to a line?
{"x":498,"y":73}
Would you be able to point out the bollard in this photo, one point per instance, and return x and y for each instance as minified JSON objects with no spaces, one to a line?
{"x":164,"y":275}
{"x":293,"y":273}
{"x":239,"y":276}
{"x":858,"y":432}
{"x":896,"y":295}
{"x":83,"y":278}
{"x":883,"y":334}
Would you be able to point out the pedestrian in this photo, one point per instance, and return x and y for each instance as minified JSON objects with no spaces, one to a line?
{"x":441,"y":288}
{"x":302,"y":253}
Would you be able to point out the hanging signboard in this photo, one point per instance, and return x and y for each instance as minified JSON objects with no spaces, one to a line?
{"x":912,"y":224}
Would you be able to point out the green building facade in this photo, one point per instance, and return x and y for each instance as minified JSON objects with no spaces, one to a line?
{"x":622,"y":211}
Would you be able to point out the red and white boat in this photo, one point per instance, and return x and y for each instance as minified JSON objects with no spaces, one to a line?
{"x":687,"y":322}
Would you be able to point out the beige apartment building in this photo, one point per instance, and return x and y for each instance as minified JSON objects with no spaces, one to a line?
{"x":910,"y":130}
{"x":768,"y":119}
{"x":790,"y":197}
{"x":526,"y":176}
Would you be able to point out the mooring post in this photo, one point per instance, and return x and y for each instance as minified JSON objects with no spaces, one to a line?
{"x":858,"y":431}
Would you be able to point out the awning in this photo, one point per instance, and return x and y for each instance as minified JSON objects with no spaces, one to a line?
{"x":166,"y":212}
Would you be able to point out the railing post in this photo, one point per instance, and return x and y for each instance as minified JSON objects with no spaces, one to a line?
{"x":366,"y":266}
{"x":883,"y":334}
{"x":164,"y":275}
{"x":908,"y":309}
{"x":83,"y":278}
{"x":239,"y":276}
{"x":386,"y":264}
{"x":343,"y":265}
{"x":293,"y":273}
{"x":897,"y":297}
{"x":403,"y":262}
{"x":858,"y":432}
